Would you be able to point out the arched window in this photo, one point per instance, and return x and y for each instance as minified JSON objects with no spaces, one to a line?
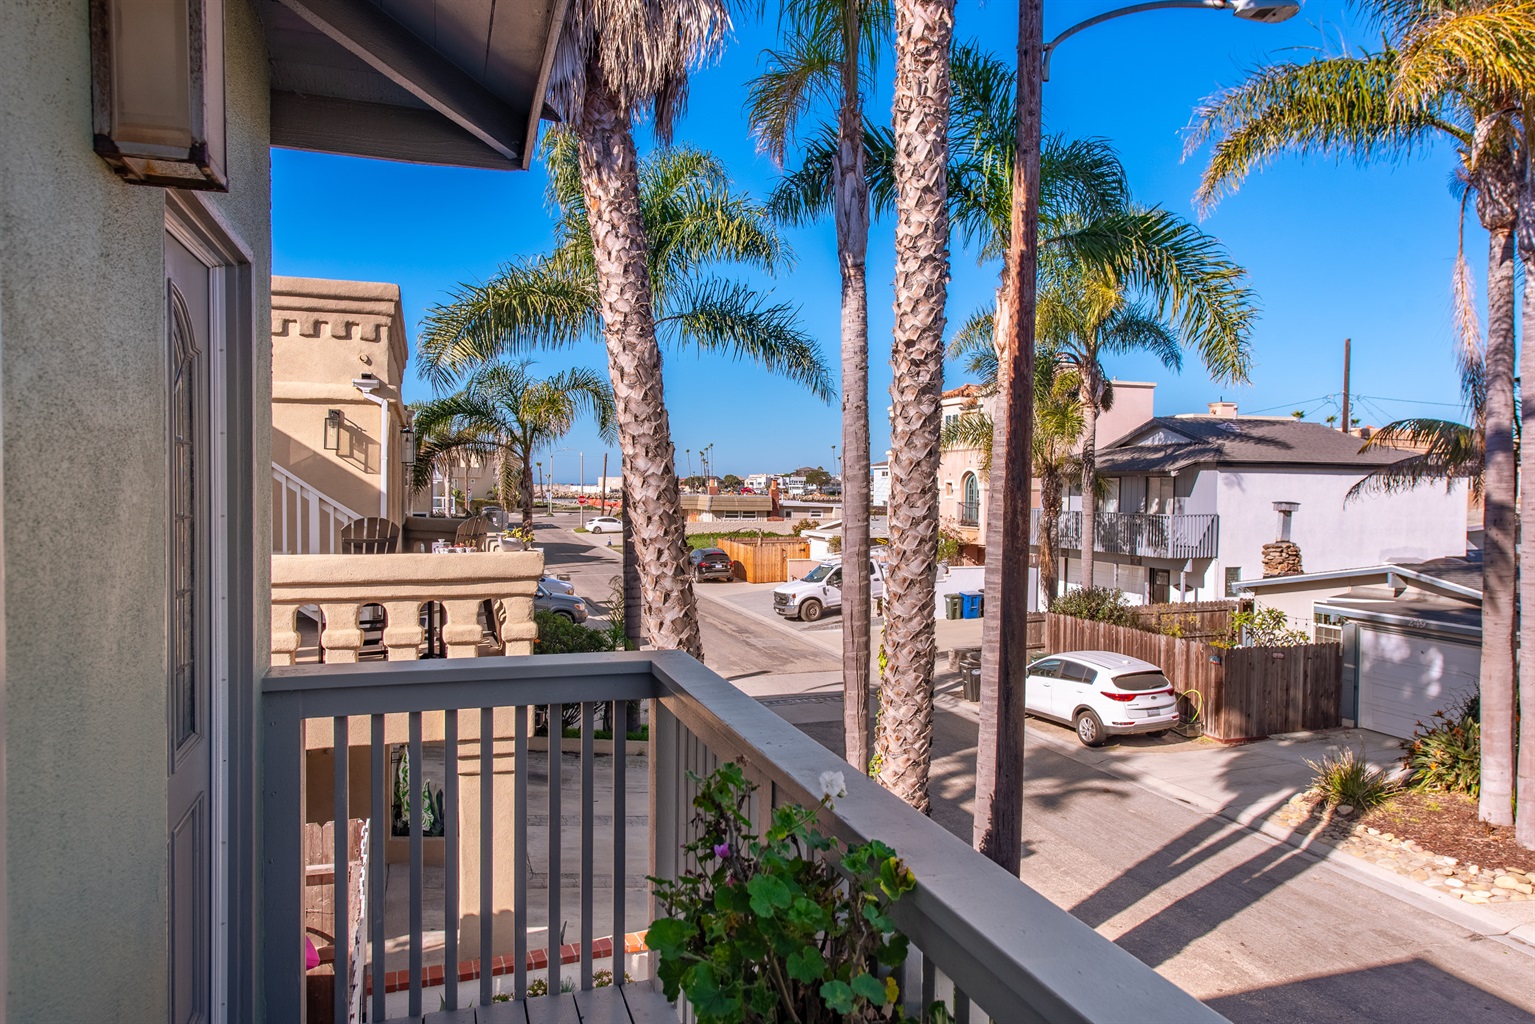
{"x":970,"y":507}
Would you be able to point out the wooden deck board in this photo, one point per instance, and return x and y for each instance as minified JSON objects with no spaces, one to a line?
{"x":603,"y":1006}
{"x":553,"y":1009}
{"x":647,"y":1006}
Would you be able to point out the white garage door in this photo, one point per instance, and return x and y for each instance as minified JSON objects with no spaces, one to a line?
{"x":1405,"y":677}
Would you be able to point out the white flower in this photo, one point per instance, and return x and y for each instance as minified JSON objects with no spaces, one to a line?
{"x":832,"y":785}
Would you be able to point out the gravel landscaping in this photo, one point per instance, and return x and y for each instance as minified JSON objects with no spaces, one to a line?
{"x":1432,"y":838}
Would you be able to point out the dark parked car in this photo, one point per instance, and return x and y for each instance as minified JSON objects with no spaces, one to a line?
{"x":711,"y":564}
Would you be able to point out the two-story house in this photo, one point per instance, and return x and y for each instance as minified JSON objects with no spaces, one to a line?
{"x":1188,"y":502}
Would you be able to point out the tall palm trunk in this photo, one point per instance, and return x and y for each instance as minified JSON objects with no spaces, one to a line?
{"x":920,"y":116}
{"x":1524,"y":782}
{"x":1092,"y":389}
{"x":610,"y":184}
{"x":525,"y":487}
{"x":1049,"y":534}
{"x":852,"y":219}
{"x":1498,"y":526}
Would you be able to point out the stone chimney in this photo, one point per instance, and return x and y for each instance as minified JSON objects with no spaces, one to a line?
{"x":1282,"y":557}
{"x":1225,"y":410}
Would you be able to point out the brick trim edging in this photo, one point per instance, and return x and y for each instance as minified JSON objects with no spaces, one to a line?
{"x":469,"y":970}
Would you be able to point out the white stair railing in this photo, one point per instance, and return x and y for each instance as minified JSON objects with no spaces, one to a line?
{"x":305,"y":521}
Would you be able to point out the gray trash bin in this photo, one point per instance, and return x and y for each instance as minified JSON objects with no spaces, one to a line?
{"x":972,"y":681}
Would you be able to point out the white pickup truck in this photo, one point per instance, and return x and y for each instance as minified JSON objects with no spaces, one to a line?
{"x":809,"y":598}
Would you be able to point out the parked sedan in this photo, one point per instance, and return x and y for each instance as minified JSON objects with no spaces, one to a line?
{"x":605,"y":524}
{"x":555,"y":585}
{"x":1101,"y":694}
{"x":567,"y":606}
{"x":711,"y":564}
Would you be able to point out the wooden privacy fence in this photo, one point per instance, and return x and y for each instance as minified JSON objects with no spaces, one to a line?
{"x":765,"y":559}
{"x":1243,"y":693}
{"x":1194,"y":620}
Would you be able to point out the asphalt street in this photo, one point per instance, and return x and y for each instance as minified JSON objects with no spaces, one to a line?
{"x":1261,"y":931}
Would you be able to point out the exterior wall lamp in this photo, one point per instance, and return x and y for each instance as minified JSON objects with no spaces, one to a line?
{"x":157,"y":85}
{"x":333,"y":430}
{"x":408,"y":445}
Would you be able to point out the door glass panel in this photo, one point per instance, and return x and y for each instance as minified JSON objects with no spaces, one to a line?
{"x":1050,"y":668}
{"x":184,"y":528}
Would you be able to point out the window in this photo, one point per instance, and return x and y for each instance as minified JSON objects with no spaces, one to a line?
{"x":1050,"y":668}
{"x":970,"y":507}
{"x":1159,"y":495}
{"x":1072,"y":672}
{"x":835,"y":579}
{"x":1327,"y":628}
{"x":1233,"y":576}
{"x":1109,"y":501}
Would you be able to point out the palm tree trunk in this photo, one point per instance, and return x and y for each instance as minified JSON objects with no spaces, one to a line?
{"x":852,"y":219}
{"x":525,"y":487}
{"x":1498,"y":526}
{"x":1049,"y":535}
{"x":920,"y":116}
{"x":1524,"y":781}
{"x":1090,"y":392}
{"x":610,"y":183}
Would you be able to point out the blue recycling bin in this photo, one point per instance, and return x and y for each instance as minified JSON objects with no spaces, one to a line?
{"x":971,"y":604}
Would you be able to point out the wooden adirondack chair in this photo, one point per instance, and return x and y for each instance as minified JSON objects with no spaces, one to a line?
{"x":371,"y":535}
{"x":472,"y":533}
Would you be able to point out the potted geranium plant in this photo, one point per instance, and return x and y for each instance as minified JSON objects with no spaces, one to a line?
{"x":789,"y":926}
{"x":520,"y":536}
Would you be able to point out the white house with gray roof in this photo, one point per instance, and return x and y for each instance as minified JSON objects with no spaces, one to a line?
{"x":1189,"y":501}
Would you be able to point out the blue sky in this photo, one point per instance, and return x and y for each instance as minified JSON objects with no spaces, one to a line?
{"x":1333,"y":250}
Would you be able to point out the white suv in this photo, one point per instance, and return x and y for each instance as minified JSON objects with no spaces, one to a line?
{"x":1102,"y":694}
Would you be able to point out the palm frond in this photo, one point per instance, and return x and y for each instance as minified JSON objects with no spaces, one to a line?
{"x":1338,"y":107}
{"x":1133,"y":328}
{"x":1441,"y":451}
{"x":1486,"y":48}
{"x":730,"y":318}
{"x":804,"y":195}
{"x":530,"y":304}
{"x":804,"y":70}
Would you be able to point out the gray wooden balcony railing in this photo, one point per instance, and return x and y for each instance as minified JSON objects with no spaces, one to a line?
{"x":983,"y":941}
{"x":1143,"y":534}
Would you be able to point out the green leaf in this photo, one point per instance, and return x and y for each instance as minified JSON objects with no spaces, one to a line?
{"x":768,"y":894}
{"x":806,"y":965}
{"x":667,"y":936}
{"x":871,"y":988}
{"x":838,"y":996}
{"x":807,"y":914}
{"x":709,"y":998}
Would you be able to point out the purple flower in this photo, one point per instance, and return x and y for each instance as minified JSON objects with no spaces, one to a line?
{"x":722,"y":850}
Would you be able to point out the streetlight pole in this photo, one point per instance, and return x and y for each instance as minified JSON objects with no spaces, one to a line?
{"x":998,"y":824}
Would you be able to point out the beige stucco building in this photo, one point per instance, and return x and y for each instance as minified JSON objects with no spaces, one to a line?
{"x":962,"y":482}
{"x":135,"y":256}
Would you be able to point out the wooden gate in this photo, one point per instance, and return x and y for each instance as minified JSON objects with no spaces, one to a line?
{"x":764,"y":559}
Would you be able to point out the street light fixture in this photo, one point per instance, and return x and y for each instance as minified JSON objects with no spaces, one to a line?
{"x":1266,"y":12}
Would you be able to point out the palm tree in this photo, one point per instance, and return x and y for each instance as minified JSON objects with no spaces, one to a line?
{"x":1058,"y":424}
{"x":827,"y":48}
{"x":503,"y":412}
{"x":1372,"y":107}
{"x":924,"y":30}
{"x":690,"y":222}
{"x":1482,"y":55}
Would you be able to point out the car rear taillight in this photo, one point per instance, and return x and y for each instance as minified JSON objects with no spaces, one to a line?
{"x":1119,"y":696}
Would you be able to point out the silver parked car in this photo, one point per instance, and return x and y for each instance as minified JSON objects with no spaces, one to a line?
{"x":567,"y":606}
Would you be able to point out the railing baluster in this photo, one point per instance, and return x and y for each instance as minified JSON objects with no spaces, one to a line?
{"x":556,"y":736}
{"x":520,"y":852}
{"x":450,"y":859}
{"x":341,"y":862}
{"x":377,"y":826}
{"x":488,"y":847}
{"x":961,"y":1007}
{"x":588,"y":794}
{"x":620,"y":832}
{"x":413,"y":794}
{"x":929,"y":983}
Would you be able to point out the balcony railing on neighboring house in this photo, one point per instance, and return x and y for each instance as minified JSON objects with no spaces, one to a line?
{"x":396,"y":604}
{"x":1140,"y":534}
{"x":305,"y":521}
{"x":970,"y":513}
{"x":982,"y":940}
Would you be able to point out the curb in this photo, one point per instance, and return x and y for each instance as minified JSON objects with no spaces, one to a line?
{"x":1447,"y":908}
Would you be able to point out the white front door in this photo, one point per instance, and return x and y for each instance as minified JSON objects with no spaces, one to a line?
{"x":1404,"y":677}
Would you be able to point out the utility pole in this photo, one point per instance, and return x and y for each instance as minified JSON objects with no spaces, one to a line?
{"x":1347,"y":358}
{"x":604,"y":487}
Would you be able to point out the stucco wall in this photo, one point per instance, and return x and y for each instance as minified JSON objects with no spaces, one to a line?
{"x":81,"y":300}
{"x":1427,"y":522}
